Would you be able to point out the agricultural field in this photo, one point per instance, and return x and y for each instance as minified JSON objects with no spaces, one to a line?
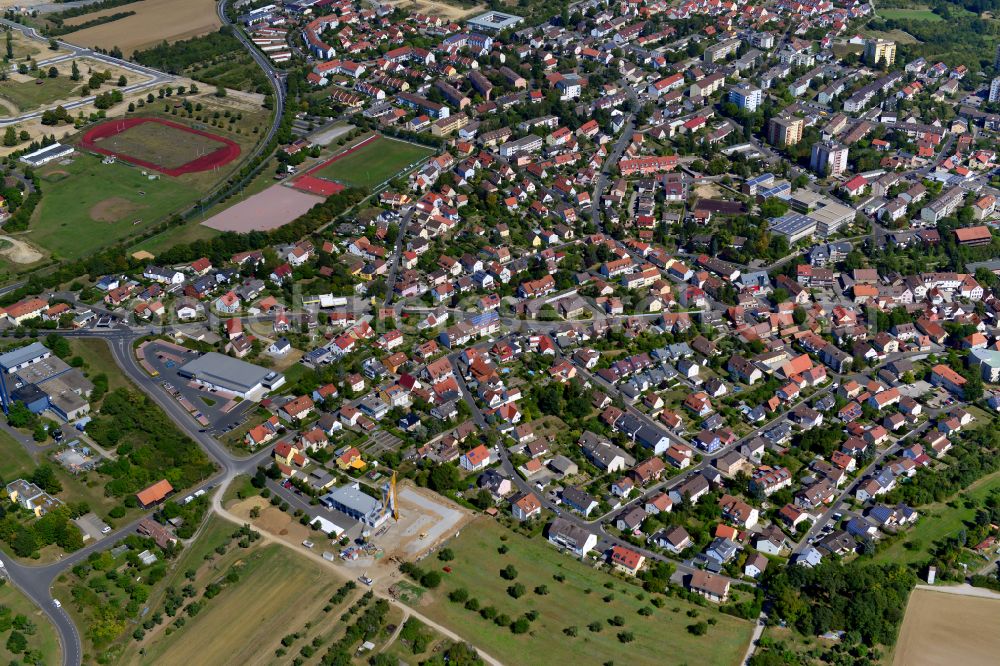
{"x":276,"y":594}
{"x":18,"y":611}
{"x":155,"y":21}
{"x":87,"y":205}
{"x":372,"y":163}
{"x":575,"y":602}
{"x":943,"y":628}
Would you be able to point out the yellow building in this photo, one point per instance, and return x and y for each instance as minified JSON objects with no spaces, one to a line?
{"x":880,"y":51}
{"x":783,"y":132}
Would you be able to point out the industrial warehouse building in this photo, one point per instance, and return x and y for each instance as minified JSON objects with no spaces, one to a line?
{"x":225,"y":373}
{"x":44,"y":382}
{"x":350,"y":499}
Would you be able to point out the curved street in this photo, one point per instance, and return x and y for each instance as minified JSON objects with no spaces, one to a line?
{"x":36,"y":581}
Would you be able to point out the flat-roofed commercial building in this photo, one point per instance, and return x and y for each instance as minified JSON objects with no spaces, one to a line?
{"x":793,"y":226}
{"x":218,"y":371}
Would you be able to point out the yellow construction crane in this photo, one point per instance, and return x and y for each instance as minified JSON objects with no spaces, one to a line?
{"x":392,"y":493}
{"x":389,"y":499}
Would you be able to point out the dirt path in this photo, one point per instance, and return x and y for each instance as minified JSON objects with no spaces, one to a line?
{"x":964,"y":590}
{"x":399,"y":630}
{"x":267,"y":537}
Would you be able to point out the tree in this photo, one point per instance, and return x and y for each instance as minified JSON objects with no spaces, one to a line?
{"x":508,"y":572}
{"x":520,"y":625}
{"x":220,"y":91}
{"x":53,"y":72}
{"x":74,"y":72}
{"x":443,"y":478}
{"x":516,"y":590}
{"x":431,"y":579}
{"x":16,"y":642}
{"x":20,"y":416}
{"x":698,"y":628}
{"x":10,"y":45}
{"x":53,"y":45}
{"x":10,"y":136}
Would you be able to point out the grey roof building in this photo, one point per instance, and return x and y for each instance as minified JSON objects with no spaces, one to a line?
{"x":219,"y":371}
{"x":356,"y":504}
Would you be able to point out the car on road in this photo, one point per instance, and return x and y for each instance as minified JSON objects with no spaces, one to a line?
{"x":106,"y":529}
{"x":56,"y":603}
{"x":2,"y":564}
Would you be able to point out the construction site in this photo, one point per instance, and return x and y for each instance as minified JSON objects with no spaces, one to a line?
{"x":407,"y":524}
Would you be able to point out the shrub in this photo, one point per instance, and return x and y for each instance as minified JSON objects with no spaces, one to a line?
{"x":698,"y":628}
{"x":431,"y":579}
{"x":520,"y":626}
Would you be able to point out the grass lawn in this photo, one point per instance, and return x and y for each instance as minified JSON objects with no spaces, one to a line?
{"x":276,"y":594}
{"x":401,"y":650}
{"x":160,"y":144}
{"x":15,"y":461}
{"x":44,"y":640}
{"x":374,"y":163}
{"x":97,"y":358}
{"x":30,"y":95}
{"x":88,"y":205}
{"x":937,"y":521}
{"x":476,"y":568}
{"x":908,"y":14}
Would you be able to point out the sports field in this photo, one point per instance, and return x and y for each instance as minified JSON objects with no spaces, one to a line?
{"x":163,"y":145}
{"x":89,"y":205}
{"x":658,"y":638}
{"x":276,"y":206}
{"x":372,"y":163}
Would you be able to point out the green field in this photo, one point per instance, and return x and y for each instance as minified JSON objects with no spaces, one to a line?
{"x":43,"y":641}
{"x":911,"y":14}
{"x":374,"y":163}
{"x":14,"y":459}
{"x":660,"y":637}
{"x":937,"y":521}
{"x":30,"y":95}
{"x":87,"y":205}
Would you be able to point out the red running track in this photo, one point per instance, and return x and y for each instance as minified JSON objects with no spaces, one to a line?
{"x":225,"y":154}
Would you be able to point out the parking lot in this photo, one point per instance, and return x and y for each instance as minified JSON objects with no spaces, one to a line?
{"x":213,"y":410}
{"x":92,"y":526}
